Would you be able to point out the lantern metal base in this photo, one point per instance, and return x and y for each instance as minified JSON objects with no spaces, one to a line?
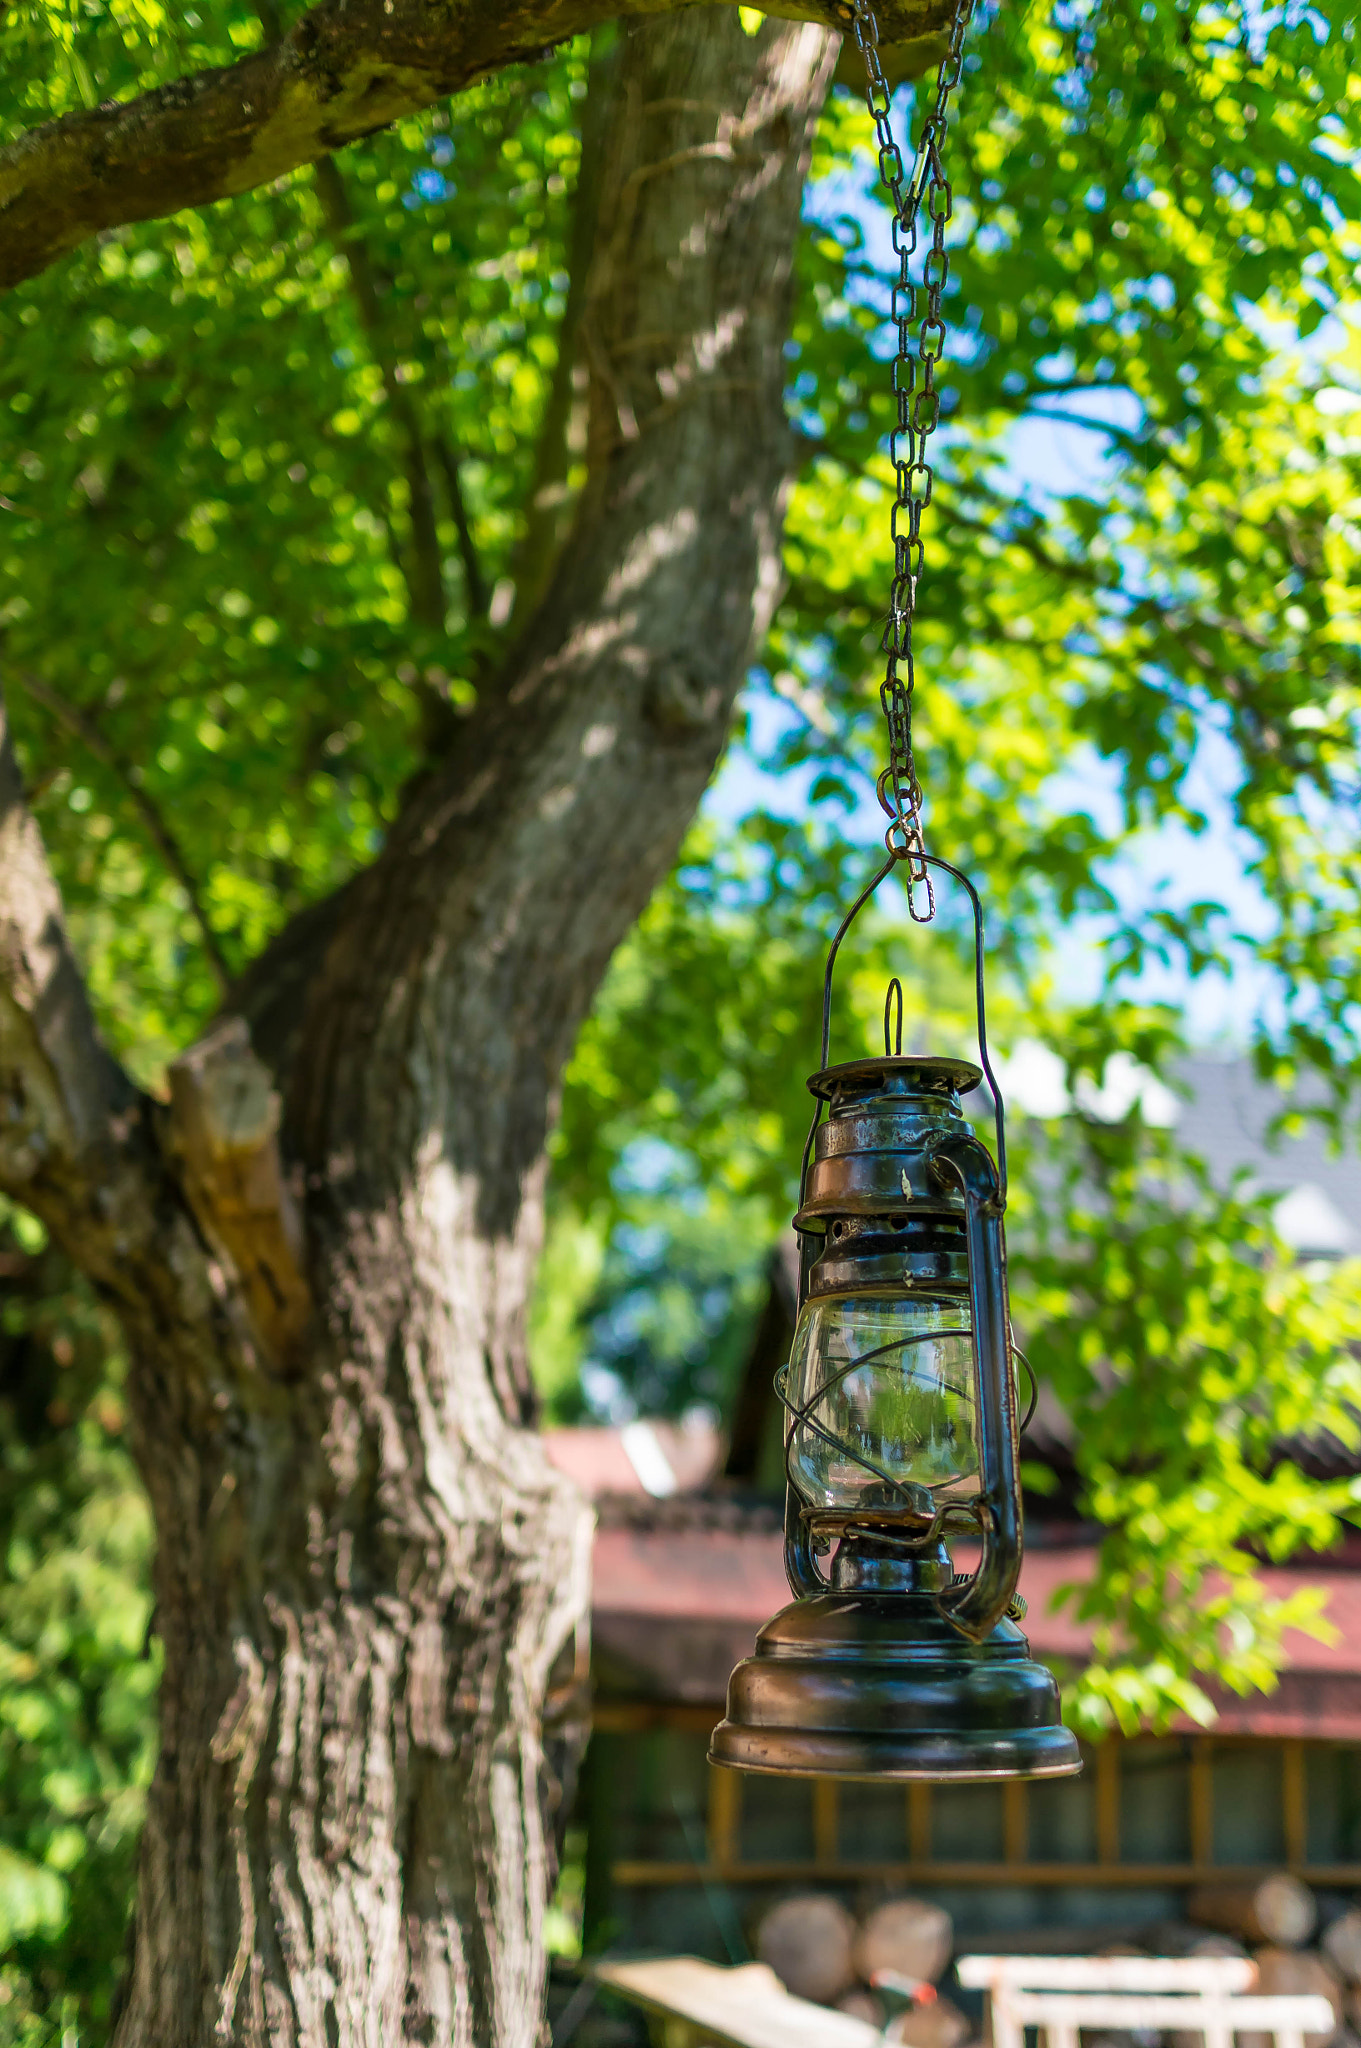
{"x":880,"y":1685}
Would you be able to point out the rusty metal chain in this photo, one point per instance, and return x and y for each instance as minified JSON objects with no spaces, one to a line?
{"x":918,"y":410}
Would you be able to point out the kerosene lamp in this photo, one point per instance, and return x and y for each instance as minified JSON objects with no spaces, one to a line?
{"x":900,"y":1392}
{"x":901,"y":1433}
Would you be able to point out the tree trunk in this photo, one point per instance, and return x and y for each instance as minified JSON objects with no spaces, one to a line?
{"x":323,"y":1248}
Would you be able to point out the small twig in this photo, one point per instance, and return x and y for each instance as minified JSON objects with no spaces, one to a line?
{"x":562,"y":427}
{"x":1173,"y":618}
{"x":719,"y":151}
{"x":600,"y":363}
{"x":424,"y":578}
{"x":1080,"y":419}
{"x":92,"y":739}
{"x":699,"y":387}
{"x":675,"y":106}
{"x":271,"y":21}
{"x":474,"y":581}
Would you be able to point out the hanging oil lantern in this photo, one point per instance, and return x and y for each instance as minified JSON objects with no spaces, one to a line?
{"x":901,"y":1433}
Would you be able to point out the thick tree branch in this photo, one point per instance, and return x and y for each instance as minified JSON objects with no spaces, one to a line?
{"x":82,"y":1149}
{"x":70,"y":1120}
{"x":158,"y":831}
{"x":580,"y":768}
{"x":347,"y":68}
{"x":528,"y":857}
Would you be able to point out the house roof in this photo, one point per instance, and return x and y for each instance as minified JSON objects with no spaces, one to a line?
{"x":1223,"y":1112}
{"x":683,"y":1580}
{"x":676,"y":1607}
{"x":1226,"y":1118}
{"x":645,"y":1460}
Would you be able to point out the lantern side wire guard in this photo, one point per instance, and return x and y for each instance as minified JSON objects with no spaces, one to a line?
{"x":804,"y":1417}
{"x":1029,"y":1416}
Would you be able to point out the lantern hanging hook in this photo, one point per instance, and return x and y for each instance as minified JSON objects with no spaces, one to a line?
{"x":893,"y":1040}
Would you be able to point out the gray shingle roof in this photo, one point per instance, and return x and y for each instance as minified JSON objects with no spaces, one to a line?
{"x":1226,"y":1119}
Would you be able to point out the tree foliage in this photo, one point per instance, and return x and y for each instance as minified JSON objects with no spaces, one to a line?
{"x":212,"y":554}
{"x":77,"y":1669}
{"x":1157,"y":229}
{"x":276,"y":489}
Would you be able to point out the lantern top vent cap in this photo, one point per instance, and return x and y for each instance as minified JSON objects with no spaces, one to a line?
{"x":919,"y":1074}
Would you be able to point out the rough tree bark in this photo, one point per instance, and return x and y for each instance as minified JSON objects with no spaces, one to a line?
{"x":321,"y":1249}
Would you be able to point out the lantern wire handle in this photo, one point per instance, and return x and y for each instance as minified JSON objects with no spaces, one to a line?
{"x":880,"y":874}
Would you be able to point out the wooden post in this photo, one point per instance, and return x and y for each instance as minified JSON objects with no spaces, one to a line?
{"x":826,"y":1821}
{"x":1108,"y":1801}
{"x":1294,"y":1804}
{"x":1015,"y":1821}
{"x":919,"y":1839}
{"x":725,"y":1818}
{"x":1202,"y":1803}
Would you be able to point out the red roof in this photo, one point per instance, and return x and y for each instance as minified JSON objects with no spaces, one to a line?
{"x":675,"y":1609}
{"x":642,"y":1459}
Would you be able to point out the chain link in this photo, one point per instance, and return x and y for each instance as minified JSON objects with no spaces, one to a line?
{"x":918,"y":409}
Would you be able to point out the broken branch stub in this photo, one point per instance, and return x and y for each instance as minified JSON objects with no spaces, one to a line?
{"x":224,"y":1127}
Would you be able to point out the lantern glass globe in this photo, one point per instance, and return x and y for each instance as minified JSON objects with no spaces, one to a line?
{"x":885,"y":1384}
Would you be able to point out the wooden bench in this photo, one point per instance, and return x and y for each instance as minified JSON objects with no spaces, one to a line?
{"x":1206,"y":1995}
{"x":746,"y":2007}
